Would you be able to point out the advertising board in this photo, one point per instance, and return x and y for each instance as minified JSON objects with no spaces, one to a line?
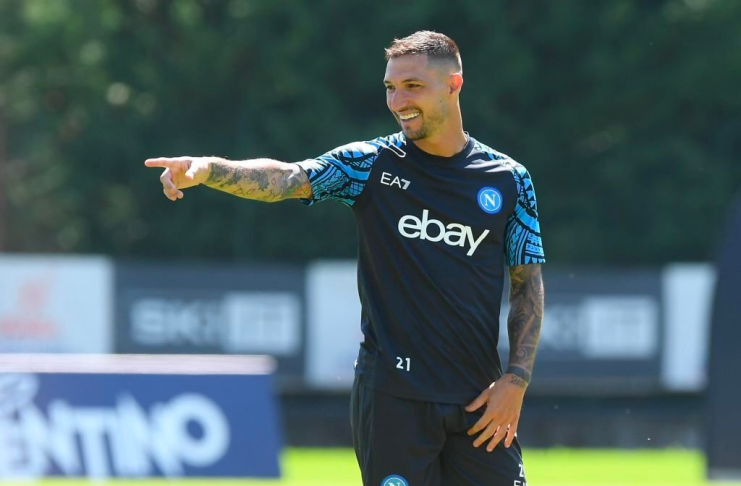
{"x":55,"y":304}
{"x":334,"y":334}
{"x":187,"y":309}
{"x":602,"y":332}
{"x":103,"y":425}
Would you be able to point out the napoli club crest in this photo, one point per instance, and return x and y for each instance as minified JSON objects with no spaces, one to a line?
{"x":394,"y":480}
{"x":490,"y":200}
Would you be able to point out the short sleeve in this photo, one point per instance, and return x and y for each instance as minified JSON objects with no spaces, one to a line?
{"x":342,"y":173}
{"x":523,"y":243}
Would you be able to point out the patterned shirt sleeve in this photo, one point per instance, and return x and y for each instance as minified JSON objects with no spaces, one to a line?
{"x":523,"y":244}
{"x":341,"y":174}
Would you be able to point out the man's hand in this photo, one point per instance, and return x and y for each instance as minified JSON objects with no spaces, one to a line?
{"x":504,"y":397}
{"x":180,"y":173}
{"x":503,"y":401}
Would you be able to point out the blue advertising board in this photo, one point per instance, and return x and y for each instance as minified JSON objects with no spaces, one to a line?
{"x":138,"y":425}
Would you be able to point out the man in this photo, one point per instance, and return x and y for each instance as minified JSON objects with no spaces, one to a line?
{"x":438,"y":215}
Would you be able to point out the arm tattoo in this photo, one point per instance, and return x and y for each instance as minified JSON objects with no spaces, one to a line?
{"x":260,"y":179}
{"x":526,"y":298}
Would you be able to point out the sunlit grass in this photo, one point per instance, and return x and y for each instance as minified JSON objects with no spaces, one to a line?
{"x":549,"y":467}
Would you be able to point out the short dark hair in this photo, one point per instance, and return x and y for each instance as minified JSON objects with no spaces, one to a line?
{"x":437,"y":46}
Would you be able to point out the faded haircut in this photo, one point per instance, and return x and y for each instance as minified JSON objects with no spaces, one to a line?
{"x":438,"y":47}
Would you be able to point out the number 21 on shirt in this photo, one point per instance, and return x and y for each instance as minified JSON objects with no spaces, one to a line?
{"x":403,"y":363}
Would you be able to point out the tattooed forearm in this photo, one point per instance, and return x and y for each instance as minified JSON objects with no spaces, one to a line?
{"x":260,"y":179}
{"x":526,"y":299}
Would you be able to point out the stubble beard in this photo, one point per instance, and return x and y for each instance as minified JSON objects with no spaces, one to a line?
{"x":428,"y":128}
{"x":419,"y":134}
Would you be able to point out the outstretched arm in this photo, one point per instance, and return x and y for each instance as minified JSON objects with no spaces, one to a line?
{"x":259,"y":179}
{"x":503,"y":399}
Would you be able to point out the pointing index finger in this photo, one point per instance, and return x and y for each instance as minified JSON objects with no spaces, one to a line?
{"x":159,"y":162}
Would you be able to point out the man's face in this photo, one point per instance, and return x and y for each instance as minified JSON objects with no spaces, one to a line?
{"x":418,"y":95}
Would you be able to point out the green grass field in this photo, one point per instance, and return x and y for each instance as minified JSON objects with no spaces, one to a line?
{"x":552,"y":467}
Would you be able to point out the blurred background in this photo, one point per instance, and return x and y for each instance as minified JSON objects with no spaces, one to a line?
{"x":627,"y":114}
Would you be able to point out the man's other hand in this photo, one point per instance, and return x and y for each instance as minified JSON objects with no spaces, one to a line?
{"x":503,"y":401}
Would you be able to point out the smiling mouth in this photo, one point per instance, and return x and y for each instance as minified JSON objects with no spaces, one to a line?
{"x":409,"y":116}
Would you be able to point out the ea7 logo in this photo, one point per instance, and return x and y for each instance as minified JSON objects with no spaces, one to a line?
{"x":392,"y":180}
{"x":453,"y":234}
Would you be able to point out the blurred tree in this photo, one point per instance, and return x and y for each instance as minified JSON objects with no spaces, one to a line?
{"x":3,"y":162}
{"x":625,"y":112}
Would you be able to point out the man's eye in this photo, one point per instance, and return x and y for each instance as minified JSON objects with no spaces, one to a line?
{"x":413,"y":86}
{"x":389,"y":88}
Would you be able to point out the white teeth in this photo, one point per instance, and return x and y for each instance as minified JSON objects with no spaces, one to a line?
{"x":409,"y":117}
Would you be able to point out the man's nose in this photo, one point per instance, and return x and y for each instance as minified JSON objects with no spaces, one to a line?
{"x":397,"y":100}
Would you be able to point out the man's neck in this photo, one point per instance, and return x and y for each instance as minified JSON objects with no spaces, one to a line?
{"x":443,"y":145}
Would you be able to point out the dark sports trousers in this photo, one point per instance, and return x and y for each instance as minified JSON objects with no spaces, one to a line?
{"x":400,"y":442}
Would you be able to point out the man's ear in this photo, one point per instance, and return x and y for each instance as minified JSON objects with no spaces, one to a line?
{"x":455,"y":83}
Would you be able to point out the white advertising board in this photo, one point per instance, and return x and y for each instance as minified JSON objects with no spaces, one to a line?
{"x":51,"y":304}
{"x":688,"y":298}
{"x":333,"y":333}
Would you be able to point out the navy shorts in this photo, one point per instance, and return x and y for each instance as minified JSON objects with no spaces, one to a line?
{"x":400,"y":442}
